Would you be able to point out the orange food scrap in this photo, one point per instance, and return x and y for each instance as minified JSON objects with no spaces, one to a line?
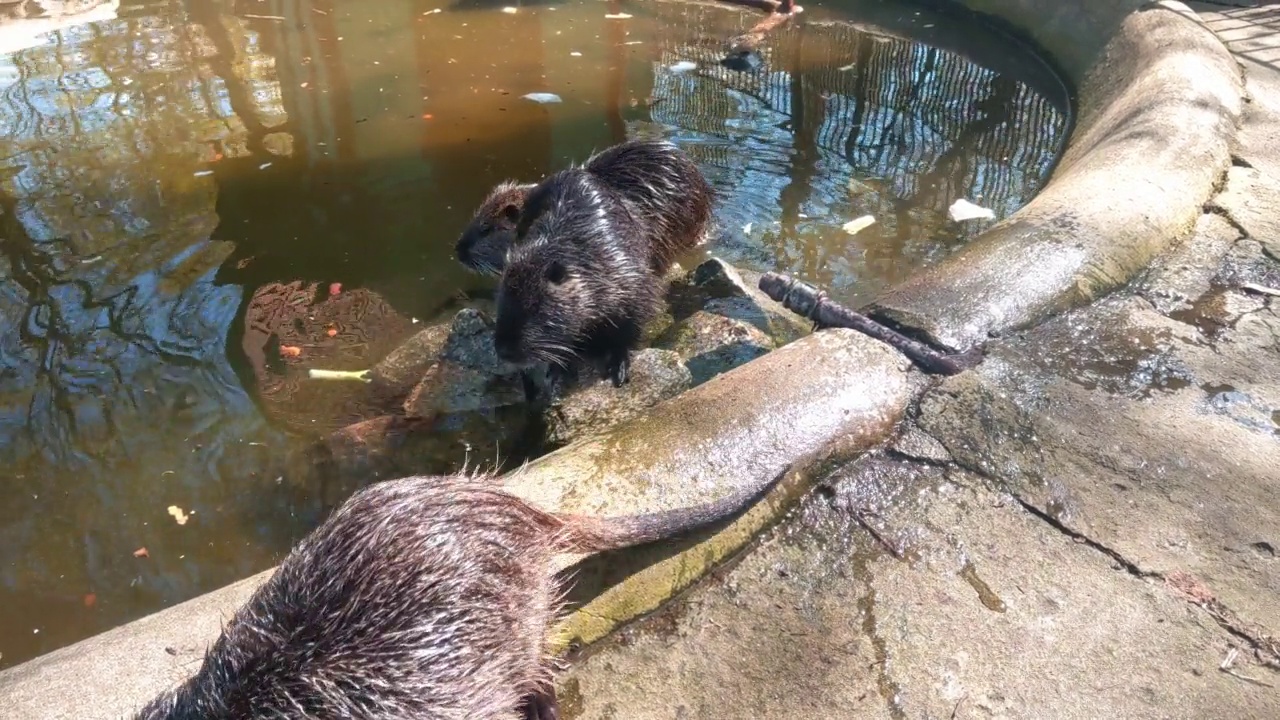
{"x":335,"y":288}
{"x":427,"y":116}
{"x":141,"y":553}
{"x":90,"y":600}
{"x":332,"y":332}
{"x":290,"y":351}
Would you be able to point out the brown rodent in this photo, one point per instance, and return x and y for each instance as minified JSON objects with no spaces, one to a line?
{"x":662,"y":186}
{"x":580,"y":285}
{"x":425,"y":597}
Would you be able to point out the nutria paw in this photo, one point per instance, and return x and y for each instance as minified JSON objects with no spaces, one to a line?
{"x":620,"y":369}
{"x":542,"y":706}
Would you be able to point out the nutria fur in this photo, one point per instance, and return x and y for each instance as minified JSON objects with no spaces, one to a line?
{"x":580,"y":285}
{"x":425,"y":597}
{"x":662,"y":186}
{"x":484,"y":242}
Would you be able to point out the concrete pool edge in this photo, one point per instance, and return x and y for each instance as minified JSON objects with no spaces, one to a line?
{"x":1158,"y":105}
{"x":740,"y":427}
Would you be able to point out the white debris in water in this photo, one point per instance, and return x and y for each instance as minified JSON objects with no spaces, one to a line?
{"x":683,"y":66}
{"x":962,"y":210}
{"x":746,"y":229}
{"x":542,"y":97}
{"x":857,"y":225}
{"x":857,"y":187}
{"x":575,"y":53}
{"x":510,"y":10}
{"x":847,"y":68}
{"x":617,"y":16}
{"x":264,"y":166}
{"x":202,"y":173}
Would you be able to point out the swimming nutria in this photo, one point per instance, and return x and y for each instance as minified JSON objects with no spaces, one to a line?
{"x":424,"y":597}
{"x":663,"y":187}
{"x":581,"y":283}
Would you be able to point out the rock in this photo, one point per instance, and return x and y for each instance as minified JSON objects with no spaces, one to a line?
{"x":466,"y":375}
{"x":916,"y":444}
{"x":710,"y":344}
{"x":655,"y":376}
{"x":717,"y":279}
{"x":401,"y":370}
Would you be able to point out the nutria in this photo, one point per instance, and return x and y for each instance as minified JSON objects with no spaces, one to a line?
{"x":484,"y":242}
{"x":580,"y":285}
{"x":663,"y":188}
{"x":424,"y":597}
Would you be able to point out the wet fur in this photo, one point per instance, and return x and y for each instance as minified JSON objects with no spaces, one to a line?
{"x":663,"y":187}
{"x":420,"y":598}
{"x":580,"y":285}
{"x":484,"y":242}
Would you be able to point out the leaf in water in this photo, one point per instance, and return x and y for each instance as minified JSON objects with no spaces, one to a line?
{"x":544,"y":98}
{"x":178,"y":515}
{"x":290,"y":351}
{"x":962,"y":210}
{"x":683,"y":66}
{"x":617,"y":16}
{"x":141,"y":553}
{"x":857,"y":225}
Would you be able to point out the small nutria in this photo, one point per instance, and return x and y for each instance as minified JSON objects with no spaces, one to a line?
{"x":662,"y":186}
{"x":424,"y":597}
{"x":580,"y":285}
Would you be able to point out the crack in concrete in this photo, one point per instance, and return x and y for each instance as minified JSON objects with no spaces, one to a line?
{"x":1266,"y":647}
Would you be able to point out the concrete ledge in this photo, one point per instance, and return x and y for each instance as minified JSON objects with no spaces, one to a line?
{"x":823,"y":398}
{"x":1158,"y":102}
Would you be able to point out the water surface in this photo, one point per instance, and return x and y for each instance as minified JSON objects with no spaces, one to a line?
{"x":186,"y":187}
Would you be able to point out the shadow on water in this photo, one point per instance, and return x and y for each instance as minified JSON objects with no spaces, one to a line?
{"x":190,"y":190}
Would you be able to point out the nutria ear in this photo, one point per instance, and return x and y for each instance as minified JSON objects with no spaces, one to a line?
{"x":556,"y":273}
{"x":511,"y":212}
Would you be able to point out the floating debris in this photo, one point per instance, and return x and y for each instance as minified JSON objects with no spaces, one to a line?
{"x":617,"y":16}
{"x":292,"y":351}
{"x":178,"y":515}
{"x":202,"y":173}
{"x":575,"y":53}
{"x":857,"y":225}
{"x":510,"y":10}
{"x":334,"y":289}
{"x":360,"y":375}
{"x":746,"y":229}
{"x":540,"y":97}
{"x":141,"y":553}
{"x":962,"y":210}
{"x":684,"y":66}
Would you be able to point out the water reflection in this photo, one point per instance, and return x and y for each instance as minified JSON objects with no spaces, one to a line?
{"x":186,"y":187}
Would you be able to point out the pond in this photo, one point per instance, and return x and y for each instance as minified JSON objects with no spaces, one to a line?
{"x":190,"y":190}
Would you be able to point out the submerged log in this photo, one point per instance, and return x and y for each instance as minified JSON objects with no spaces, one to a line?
{"x":806,"y":300}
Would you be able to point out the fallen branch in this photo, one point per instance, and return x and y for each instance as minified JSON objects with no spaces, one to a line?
{"x":812,"y":303}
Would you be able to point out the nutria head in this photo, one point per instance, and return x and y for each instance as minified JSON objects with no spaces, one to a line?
{"x":544,"y":304}
{"x":484,"y":243}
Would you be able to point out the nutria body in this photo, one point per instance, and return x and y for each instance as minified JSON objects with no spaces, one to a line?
{"x":581,"y":283}
{"x":662,"y":187}
{"x":420,"y":598}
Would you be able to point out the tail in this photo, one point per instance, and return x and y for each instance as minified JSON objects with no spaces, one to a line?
{"x":599,"y":534}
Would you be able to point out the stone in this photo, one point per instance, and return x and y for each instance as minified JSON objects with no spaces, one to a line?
{"x":655,"y":376}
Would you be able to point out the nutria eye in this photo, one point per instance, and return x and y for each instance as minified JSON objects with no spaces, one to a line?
{"x":556,"y":273}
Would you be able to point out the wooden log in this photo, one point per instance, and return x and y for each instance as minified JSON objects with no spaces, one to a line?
{"x":806,"y":300}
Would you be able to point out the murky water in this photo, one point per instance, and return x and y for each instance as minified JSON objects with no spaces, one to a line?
{"x":186,"y":187}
